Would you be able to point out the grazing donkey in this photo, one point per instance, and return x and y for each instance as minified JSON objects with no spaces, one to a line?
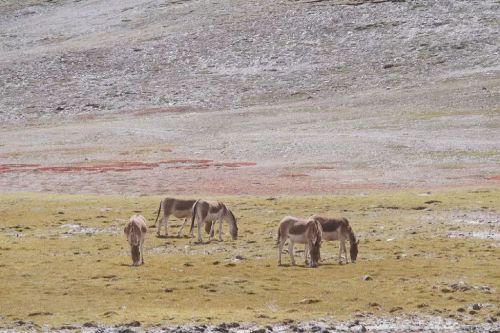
{"x":302,"y":232}
{"x":213,"y":211}
{"x":339,"y":229}
{"x":135,"y":231}
{"x":177,"y":207}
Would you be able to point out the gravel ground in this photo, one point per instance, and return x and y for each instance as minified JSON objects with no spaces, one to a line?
{"x":66,"y":58}
{"x":312,"y":96}
{"x":369,"y":324}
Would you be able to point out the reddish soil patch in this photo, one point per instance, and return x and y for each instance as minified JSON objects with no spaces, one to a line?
{"x":123,"y":166}
{"x":494,"y":178}
{"x":234,"y":164}
{"x":17,"y":167}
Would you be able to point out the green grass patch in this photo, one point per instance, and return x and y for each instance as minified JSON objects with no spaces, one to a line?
{"x":54,"y":273}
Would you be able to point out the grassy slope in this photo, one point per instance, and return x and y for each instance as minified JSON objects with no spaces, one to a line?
{"x":54,"y":280}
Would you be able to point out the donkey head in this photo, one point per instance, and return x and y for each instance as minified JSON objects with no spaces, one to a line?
{"x":315,"y":234}
{"x":132,"y":232}
{"x":354,"y":250}
{"x":136,"y":255}
{"x":314,"y":252}
{"x":233,"y":225}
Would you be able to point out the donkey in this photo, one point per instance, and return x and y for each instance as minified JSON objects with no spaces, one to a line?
{"x":177,"y":207}
{"x":302,"y":232}
{"x":135,"y":231}
{"x":213,"y":211}
{"x":339,"y":229}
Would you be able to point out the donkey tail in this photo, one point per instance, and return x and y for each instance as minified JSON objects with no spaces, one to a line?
{"x":279,"y":236}
{"x":193,"y":215}
{"x":157,"y":216}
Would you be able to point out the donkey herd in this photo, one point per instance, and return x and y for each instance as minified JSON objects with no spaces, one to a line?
{"x":309,"y":232}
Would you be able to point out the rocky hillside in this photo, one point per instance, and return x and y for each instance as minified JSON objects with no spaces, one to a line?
{"x":72,"y":58}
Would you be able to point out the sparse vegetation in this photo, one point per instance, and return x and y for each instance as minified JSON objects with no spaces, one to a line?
{"x":56,"y":274}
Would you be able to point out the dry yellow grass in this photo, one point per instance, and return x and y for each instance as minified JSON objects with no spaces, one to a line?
{"x":54,"y":277}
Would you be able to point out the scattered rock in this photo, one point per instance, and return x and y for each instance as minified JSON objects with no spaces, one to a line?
{"x":367,"y":278}
{"x":309,"y":301}
{"x":475,"y":306}
{"x":33,"y":314}
{"x":68,"y":327}
{"x":126,"y":330}
{"x":432,"y":202}
{"x":260,"y":330}
{"x":90,"y":324}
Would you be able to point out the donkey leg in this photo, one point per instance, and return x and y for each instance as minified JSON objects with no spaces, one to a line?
{"x":340,"y":252}
{"x":290,"y":252}
{"x":212,"y":228}
{"x":280,"y":249}
{"x":164,"y":221}
{"x":182,"y":227}
{"x":220,"y":230}
{"x":345,"y":252}
{"x":306,"y":253}
{"x":199,"y":231}
{"x":160,"y":223}
{"x":142,"y":252}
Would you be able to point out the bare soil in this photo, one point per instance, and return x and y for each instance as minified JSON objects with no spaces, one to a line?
{"x":261,"y":97}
